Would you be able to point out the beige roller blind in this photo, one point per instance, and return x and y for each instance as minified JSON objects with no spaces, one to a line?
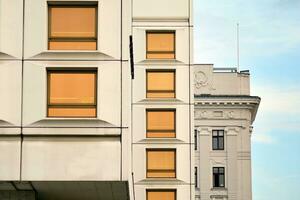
{"x":160,"y":42}
{"x":160,"y":45}
{"x":72,"y":21}
{"x":160,"y":84}
{"x":161,"y":160}
{"x":161,"y":120}
{"x":161,"y":195}
{"x":72,"y":88}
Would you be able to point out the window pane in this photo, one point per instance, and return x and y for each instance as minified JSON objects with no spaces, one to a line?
{"x":160,"y":55}
{"x":73,"y":45}
{"x":161,"y":195}
{"x":160,"y":120}
{"x":163,"y":174}
{"x":221,"y":181}
{"x":72,"y":112}
{"x":221,"y":143}
{"x":215,"y":133}
{"x":215,"y":170}
{"x":72,"y":21}
{"x":221,"y":133}
{"x":160,"y":41}
{"x":215,"y":143}
{"x":221,"y":170}
{"x":72,"y":88}
{"x":157,"y":134}
{"x":160,"y":84}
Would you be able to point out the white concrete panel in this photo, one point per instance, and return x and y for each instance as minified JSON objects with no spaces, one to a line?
{"x":109,"y":30}
{"x":10,"y":93}
{"x":182,"y":83}
{"x":11,"y":26}
{"x":9,"y":158}
{"x":108,"y":97}
{"x":161,"y":9}
{"x":182,"y":122}
{"x":182,"y":163}
{"x":71,"y":159}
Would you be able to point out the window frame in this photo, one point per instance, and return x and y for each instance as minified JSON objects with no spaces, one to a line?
{"x":67,"y":105}
{"x":218,"y":174}
{"x":161,"y":91}
{"x":175,"y":163}
{"x":155,"y":131}
{"x":218,"y":137}
{"x":173,"y":32}
{"x":161,"y":190}
{"x":66,"y":4}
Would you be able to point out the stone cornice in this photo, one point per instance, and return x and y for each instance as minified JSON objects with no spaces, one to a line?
{"x":228,"y":101}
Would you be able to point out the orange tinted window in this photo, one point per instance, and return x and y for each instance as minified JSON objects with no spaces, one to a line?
{"x":160,"y":45}
{"x":72,"y":88}
{"x":72,"y":21}
{"x":160,"y":84}
{"x":160,"y":123}
{"x":72,"y":93}
{"x":161,"y":195}
{"x":72,"y":27}
{"x":74,"y":45}
{"x":161,"y":163}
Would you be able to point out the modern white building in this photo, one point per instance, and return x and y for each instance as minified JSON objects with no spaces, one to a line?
{"x":78,"y":121}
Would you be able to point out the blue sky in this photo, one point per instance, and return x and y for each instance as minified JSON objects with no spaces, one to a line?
{"x":270,"y":49}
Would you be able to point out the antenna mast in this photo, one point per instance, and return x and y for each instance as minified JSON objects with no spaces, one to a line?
{"x":238,"y":46}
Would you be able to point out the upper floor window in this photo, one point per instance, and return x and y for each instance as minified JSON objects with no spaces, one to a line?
{"x":72,"y":93}
{"x":161,"y":163}
{"x":161,"y":194}
{"x":218,"y":139}
{"x":160,"y":45}
{"x":160,"y":123}
{"x":160,"y":84}
{"x":219,"y":177}
{"x":72,"y":27}
{"x":196,"y":139}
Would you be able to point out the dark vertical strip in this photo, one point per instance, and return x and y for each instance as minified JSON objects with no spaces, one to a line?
{"x":22,"y":89}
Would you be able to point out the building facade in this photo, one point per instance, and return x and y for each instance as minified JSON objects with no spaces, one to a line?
{"x":78,"y":121}
{"x":224,"y":113}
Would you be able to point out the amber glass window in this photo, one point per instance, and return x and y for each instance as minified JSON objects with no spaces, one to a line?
{"x":72,"y":27}
{"x":160,"y":45}
{"x":161,"y":194}
{"x":161,"y":163}
{"x":161,"y":123}
{"x":160,"y":84}
{"x":72,"y":93}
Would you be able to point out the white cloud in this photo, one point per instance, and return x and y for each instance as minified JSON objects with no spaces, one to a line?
{"x":262,"y":138}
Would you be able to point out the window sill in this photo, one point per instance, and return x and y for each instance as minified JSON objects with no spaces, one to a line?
{"x":71,"y":119}
{"x":218,"y":189}
{"x":159,"y":61}
{"x":71,"y":51}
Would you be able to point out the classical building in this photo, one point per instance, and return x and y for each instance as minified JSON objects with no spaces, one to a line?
{"x":84,"y":117}
{"x":224,"y":112}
